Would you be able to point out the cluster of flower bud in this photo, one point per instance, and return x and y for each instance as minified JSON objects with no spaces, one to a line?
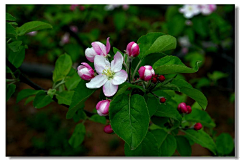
{"x":157,"y":78}
{"x":183,"y":108}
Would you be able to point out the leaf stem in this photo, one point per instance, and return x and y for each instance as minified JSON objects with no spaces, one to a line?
{"x":136,"y":69}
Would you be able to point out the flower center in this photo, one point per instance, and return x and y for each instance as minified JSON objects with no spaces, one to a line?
{"x":108,"y":72}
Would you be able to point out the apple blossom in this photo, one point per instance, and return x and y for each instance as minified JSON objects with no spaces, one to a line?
{"x":161,"y":78}
{"x":132,"y":49}
{"x":85,"y":71}
{"x":207,"y":9}
{"x":189,"y":109}
{"x":109,"y":75}
{"x":198,"y":126}
{"x":65,"y":39}
{"x":162,"y":99}
{"x":190,"y":10}
{"x":108,"y":129}
{"x":97,"y":49}
{"x":103,"y":107}
{"x":182,"y":107}
{"x":146,"y":72}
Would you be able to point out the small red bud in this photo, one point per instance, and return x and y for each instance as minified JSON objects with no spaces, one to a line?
{"x":162,"y":100}
{"x":129,"y":88}
{"x":155,"y":76}
{"x":161,"y":78}
{"x":108,"y":129}
{"x":189,"y":109}
{"x":154,"y":80}
{"x":198,"y":126}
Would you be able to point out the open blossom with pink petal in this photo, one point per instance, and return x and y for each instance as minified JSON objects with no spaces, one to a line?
{"x":97,"y":49}
{"x":109,"y":75}
{"x":207,"y":9}
{"x":85,"y":71}
{"x":146,"y":72}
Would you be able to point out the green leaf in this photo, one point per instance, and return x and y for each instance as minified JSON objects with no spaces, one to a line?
{"x":62,"y":67}
{"x":173,"y":65}
{"x":15,"y":46}
{"x":183,"y":146}
{"x":74,"y":51}
{"x":169,"y":111}
{"x":194,"y":57}
{"x":166,"y":142}
{"x":80,"y":114}
{"x":29,"y":99}
{"x":159,"y":121}
{"x":202,"y":138}
{"x":65,"y":97}
{"x":200,"y":26}
{"x":41,"y":100}
{"x":225,"y":144}
{"x":129,"y":118}
{"x":16,"y":58}
{"x":216,"y":75}
{"x":152,"y":104}
{"x":200,"y":116}
{"x":176,"y":25}
{"x":9,"y":17}
{"x":32,"y":26}
{"x":26,"y":93}
{"x":119,"y":20}
{"x":193,"y":93}
{"x":10,"y":90}
{"x":127,"y":86}
{"x":168,"y":146}
{"x":77,"y":136}
{"x":79,"y":97}
{"x":148,"y":147}
{"x":72,"y":82}
{"x":155,"y":42}
{"x":10,"y":30}
{"x":99,"y":119}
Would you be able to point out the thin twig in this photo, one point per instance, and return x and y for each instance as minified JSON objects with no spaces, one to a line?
{"x":27,"y":81}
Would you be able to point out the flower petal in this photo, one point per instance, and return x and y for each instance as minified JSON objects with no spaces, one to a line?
{"x":109,"y":89}
{"x":116,"y":64}
{"x":101,"y":63}
{"x":119,"y":77}
{"x":97,"y":81}
{"x":99,"y":48}
{"x":90,"y":54}
{"x":108,"y":46}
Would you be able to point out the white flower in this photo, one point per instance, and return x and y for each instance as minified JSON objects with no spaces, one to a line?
{"x":190,"y":10}
{"x":109,"y":75}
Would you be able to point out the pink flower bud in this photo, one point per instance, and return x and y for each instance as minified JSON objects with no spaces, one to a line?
{"x":146,"y":72}
{"x":182,"y":107}
{"x":103,"y":107}
{"x":132,"y":49}
{"x":73,"y":7}
{"x":198,"y":126}
{"x":81,"y":7}
{"x":65,"y":39}
{"x":189,"y":109}
{"x":74,"y":28}
{"x":108,"y":129}
{"x":85,"y":71}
